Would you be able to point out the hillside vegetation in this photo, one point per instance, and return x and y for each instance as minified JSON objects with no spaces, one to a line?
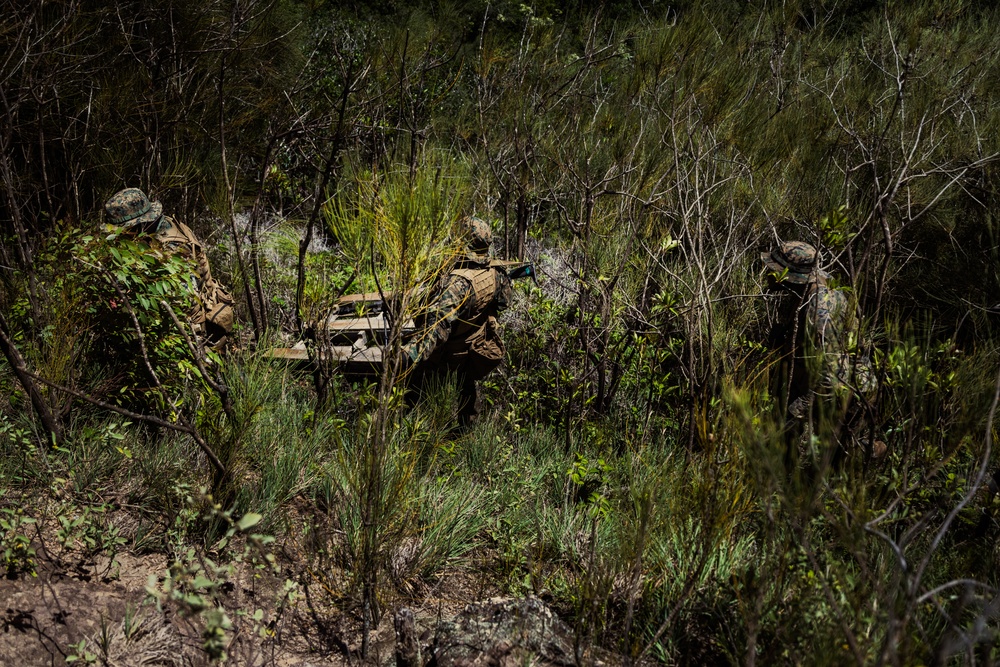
{"x":630,"y":466}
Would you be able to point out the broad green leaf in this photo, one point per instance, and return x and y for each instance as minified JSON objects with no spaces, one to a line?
{"x":249,"y":520}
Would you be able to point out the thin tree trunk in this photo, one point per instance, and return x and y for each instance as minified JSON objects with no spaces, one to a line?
{"x":20,"y":368}
{"x":230,"y":213}
{"x":328,"y":172}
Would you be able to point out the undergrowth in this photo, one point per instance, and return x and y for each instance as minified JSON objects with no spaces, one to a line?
{"x":634,"y":465}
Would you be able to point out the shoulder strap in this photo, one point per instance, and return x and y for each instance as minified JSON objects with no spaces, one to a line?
{"x":177,"y":233}
{"x":177,"y":237}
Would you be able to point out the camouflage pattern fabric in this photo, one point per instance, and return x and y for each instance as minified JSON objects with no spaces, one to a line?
{"x":478,"y":235}
{"x":832,"y":328}
{"x":821,"y":365}
{"x":460,"y":332}
{"x":796,"y":261}
{"x":131,"y":207}
{"x":462,"y":324}
{"x":444,"y":312}
{"x":213,"y":315}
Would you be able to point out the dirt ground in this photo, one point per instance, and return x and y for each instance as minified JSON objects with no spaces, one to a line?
{"x":44,"y":618}
{"x":43,"y":614}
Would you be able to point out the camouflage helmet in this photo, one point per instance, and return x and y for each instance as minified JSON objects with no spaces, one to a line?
{"x":476,"y":234}
{"x":800,"y":259}
{"x":131,"y":207}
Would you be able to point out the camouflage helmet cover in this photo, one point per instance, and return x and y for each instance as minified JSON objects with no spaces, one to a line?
{"x":131,"y":207}
{"x":799,"y":258}
{"x":477,"y":234}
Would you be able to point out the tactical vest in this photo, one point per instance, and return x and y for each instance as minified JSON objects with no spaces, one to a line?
{"x":176,"y":232}
{"x":475,"y":342}
{"x":484,"y":287}
{"x":215,"y":303}
{"x":177,"y":237}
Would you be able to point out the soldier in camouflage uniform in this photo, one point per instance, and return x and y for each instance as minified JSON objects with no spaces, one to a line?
{"x":459,"y":326}
{"x":212,"y":317}
{"x":818,"y":337}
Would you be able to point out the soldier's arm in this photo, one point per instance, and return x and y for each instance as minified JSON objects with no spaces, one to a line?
{"x":442,"y":314}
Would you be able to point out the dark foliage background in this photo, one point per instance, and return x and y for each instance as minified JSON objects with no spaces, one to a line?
{"x":631,"y":466}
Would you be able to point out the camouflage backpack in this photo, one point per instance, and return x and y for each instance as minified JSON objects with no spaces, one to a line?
{"x":834,"y":328}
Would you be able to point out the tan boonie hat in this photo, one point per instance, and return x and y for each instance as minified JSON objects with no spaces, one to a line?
{"x":130,"y":207}
{"x":800,"y":259}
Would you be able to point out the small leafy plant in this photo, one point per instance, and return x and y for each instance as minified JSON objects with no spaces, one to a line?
{"x":194,"y":583}
{"x":15,"y":545}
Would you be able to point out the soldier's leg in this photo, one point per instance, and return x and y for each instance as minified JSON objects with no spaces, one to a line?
{"x":797,"y":428}
{"x":863,"y":430}
{"x":468,"y":401}
{"x":422,"y":380}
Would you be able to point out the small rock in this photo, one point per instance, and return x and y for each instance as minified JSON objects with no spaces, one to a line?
{"x":504,"y":633}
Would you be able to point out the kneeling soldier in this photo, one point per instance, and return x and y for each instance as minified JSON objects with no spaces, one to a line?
{"x":212,"y":317}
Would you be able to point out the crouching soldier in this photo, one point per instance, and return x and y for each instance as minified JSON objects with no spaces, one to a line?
{"x":458,"y":330}
{"x":817,"y":334}
{"x":212,"y":317}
